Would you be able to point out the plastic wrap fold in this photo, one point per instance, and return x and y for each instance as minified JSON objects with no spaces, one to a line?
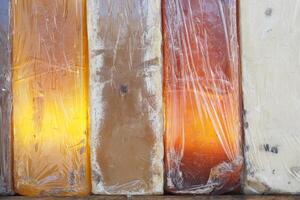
{"x":270,"y":39}
{"x":202,"y":96}
{"x":5,"y":100}
{"x":50,"y":100}
{"x":126,"y":96}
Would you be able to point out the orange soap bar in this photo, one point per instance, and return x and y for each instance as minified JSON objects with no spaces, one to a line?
{"x":50,"y":114}
{"x":202,"y":96}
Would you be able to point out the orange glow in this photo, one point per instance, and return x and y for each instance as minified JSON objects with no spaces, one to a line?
{"x":202,"y":135}
{"x":50,"y":101}
{"x":201,"y":90}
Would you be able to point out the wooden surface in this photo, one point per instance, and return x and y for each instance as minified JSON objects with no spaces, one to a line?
{"x":225,"y":197}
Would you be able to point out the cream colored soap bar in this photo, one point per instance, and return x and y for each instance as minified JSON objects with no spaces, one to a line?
{"x":126,"y":96}
{"x":270,"y":41}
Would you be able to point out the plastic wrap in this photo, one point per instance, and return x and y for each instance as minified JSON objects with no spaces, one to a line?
{"x":126,"y":96}
{"x":5,"y":100}
{"x":50,"y":100}
{"x":270,"y":39}
{"x":202,"y":96}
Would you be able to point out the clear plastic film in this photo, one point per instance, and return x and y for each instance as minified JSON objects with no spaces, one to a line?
{"x":126,"y":96}
{"x":270,"y":40}
{"x":5,"y":100}
{"x":50,"y":98}
{"x":203,"y":149}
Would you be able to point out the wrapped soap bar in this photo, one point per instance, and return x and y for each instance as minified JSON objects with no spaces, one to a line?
{"x":202,"y":96}
{"x":126,"y":96}
{"x":270,"y":40}
{"x":50,"y":99}
{"x":5,"y":100}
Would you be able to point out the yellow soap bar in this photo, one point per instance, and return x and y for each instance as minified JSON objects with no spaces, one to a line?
{"x":50,"y":114}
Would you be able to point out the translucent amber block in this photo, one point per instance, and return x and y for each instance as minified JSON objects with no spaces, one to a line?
{"x":50,"y":113}
{"x":202,"y":96}
{"x":5,"y":100}
{"x":126,"y":96}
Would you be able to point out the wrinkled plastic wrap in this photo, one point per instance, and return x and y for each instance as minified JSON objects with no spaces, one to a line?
{"x":5,"y":100}
{"x":202,"y":96}
{"x":50,"y":98}
{"x":270,"y":39}
{"x":126,"y":96}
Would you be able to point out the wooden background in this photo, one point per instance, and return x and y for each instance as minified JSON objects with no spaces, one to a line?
{"x":224,"y":197}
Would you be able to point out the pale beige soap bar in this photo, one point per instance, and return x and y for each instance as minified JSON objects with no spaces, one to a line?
{"x":126,"y":96}
{"x":270,"y":41}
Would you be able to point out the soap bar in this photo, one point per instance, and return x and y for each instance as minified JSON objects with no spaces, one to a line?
{"x":126,"y":96}
{"x":50,"y":99}
{"x":270,"y":40}
{"x":5,"y":100}
{"x":202,"y":97}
